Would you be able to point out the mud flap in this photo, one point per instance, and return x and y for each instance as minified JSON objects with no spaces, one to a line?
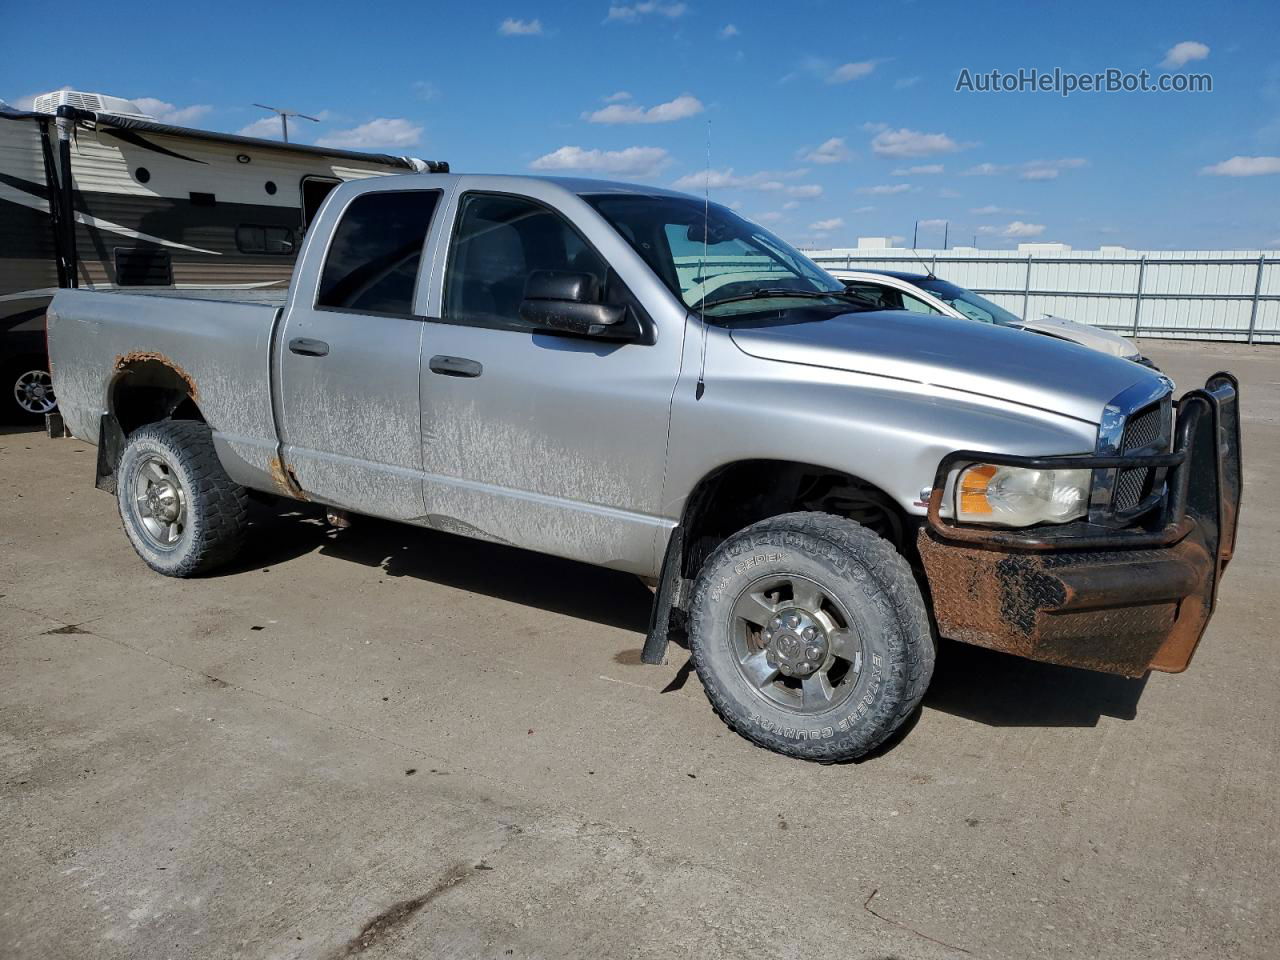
{"x":665,"y":601}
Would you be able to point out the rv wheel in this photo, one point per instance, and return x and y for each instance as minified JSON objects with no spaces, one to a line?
{"x":28,"y":391}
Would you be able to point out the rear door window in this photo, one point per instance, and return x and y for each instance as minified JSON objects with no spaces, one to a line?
{"x":372,"y":262}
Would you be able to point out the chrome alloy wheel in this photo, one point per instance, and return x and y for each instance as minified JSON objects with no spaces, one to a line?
{"x":34,"y":392}
{"x":160,"y":501}
{"x":795,"y":644}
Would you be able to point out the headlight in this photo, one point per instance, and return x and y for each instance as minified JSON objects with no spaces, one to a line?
{"x":1019,"y":497}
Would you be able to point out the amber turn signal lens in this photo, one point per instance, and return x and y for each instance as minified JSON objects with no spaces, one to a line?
{"x":973,"y":489}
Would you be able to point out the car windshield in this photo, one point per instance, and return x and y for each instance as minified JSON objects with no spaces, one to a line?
{"x":714,"y":260}
{"x":969,"y":303}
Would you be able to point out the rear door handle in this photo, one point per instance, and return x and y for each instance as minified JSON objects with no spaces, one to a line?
{"x":306,"y":347}
{"x":455,"y":366}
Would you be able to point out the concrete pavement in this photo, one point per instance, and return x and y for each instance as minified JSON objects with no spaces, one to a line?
{"x":388,"y":742}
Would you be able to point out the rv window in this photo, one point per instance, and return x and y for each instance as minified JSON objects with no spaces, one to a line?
{"x":251,"y":238}
{"x":372,"y":263}
{"x":143,"y":267}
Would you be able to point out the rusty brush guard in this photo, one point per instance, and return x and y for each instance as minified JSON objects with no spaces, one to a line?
{"x":1120,"y":599}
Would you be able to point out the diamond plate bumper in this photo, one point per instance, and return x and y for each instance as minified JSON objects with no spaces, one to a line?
{"x":1116,"y":600}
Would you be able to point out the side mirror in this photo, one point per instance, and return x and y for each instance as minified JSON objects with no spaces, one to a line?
{"x":567,"y":302}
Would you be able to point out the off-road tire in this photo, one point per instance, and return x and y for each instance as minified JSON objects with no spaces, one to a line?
{"x":876,"y":587}
{"x":216,"y":507}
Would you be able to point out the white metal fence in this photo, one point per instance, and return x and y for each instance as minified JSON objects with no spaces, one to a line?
{"x":1195,"y":295}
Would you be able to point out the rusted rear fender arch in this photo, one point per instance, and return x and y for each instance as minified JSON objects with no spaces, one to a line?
{"x":144,"y":388}
{"x":149,"y":387}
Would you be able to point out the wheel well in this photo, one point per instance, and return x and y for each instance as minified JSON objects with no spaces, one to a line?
{"x":149,"y":390}
{"x":740,"y":494}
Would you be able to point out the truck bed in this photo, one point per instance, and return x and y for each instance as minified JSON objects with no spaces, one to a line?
{"x":260,"y":296}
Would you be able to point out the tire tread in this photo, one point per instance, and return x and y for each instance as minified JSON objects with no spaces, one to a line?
{"x":911,"y":669}
{"x":218,"y":505}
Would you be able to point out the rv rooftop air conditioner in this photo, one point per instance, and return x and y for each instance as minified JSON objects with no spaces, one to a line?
{"x":97,"y":102}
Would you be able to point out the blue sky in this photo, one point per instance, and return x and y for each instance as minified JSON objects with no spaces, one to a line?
{"x":828,"y":121}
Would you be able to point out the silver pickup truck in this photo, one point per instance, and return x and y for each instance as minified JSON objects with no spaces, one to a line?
{"x":635,"y":378}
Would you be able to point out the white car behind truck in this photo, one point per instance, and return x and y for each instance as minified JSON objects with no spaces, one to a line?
{"x":926,"y":293}
{"x":816,"y":488}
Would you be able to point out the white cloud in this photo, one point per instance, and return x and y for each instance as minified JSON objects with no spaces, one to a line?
{"x":767,"y":180}
{"x":925,"y":170}
{"x":681,"y":107}
{"x":851,"y":71}
{"x":629,"y":13}
{"x":168,"y":113}
{"x":807,"y":191}
{"x":930,"y":224}
{"x":1017,"y":229}
{"x":946,"y":194}
{"x":771,"y":216}
{"x":885,"y":189}
{"x":1031,"y":170}
{"x":863,"y":209}
{"x":912,"y":143}
{"x":826,"y":226}
{"x":728,"y":30}
{"x":1183,"y":53}
{"x":829,"y":151}
{"x":511,"y":27}
{"x":632,"y":161}
{"x":263,"y":127}
{"x":1049,"y":169}
{"x":382,"y":132}
{"x":1244,"y":167}
{"x":617,"y":97}
{"x":990,"y":210}
{"x":791,"y":205}
{"x":426,"y":90}
{"x":902,"y":83}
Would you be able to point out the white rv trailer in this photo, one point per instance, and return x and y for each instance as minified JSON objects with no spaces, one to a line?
{"x":95,"y":193}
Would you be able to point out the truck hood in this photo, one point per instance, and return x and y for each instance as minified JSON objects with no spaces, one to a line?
{"x":1093,"y":337}
{"x":982,"y":359}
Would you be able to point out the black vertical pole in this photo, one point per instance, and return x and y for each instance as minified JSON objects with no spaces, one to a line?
{"x":66,"y":123}
{"x":53,"y":197}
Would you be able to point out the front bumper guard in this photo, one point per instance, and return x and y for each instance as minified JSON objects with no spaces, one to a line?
{"x":1086,"y":595}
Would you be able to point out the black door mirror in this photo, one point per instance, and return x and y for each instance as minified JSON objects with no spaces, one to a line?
{"x":568,"y":302}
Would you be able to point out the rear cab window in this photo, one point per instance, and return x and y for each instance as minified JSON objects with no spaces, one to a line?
{"x":372,"y":262}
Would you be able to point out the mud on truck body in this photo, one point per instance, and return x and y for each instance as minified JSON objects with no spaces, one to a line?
{"x":630,"y":377}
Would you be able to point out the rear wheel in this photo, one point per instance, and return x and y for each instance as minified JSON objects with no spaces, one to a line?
{"x":810,"y":636}
{"x":28,"y":391}
{"x":180,"y":510}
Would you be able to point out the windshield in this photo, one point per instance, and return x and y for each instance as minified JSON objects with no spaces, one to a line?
{"x":969,"y":303}
{"x":713,"y":259}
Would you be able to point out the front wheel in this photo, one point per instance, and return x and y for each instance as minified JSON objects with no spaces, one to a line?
{"x":810,"y":636}
{"x":180,"y":510}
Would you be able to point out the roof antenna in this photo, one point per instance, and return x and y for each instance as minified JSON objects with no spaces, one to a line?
{"x":927,"y":268}
{"x":702,"y":271}
{"x":284,"y":118}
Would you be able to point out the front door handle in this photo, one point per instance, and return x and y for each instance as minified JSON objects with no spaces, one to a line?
{"x":455,"y":366}
{"x":306,"y":347}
